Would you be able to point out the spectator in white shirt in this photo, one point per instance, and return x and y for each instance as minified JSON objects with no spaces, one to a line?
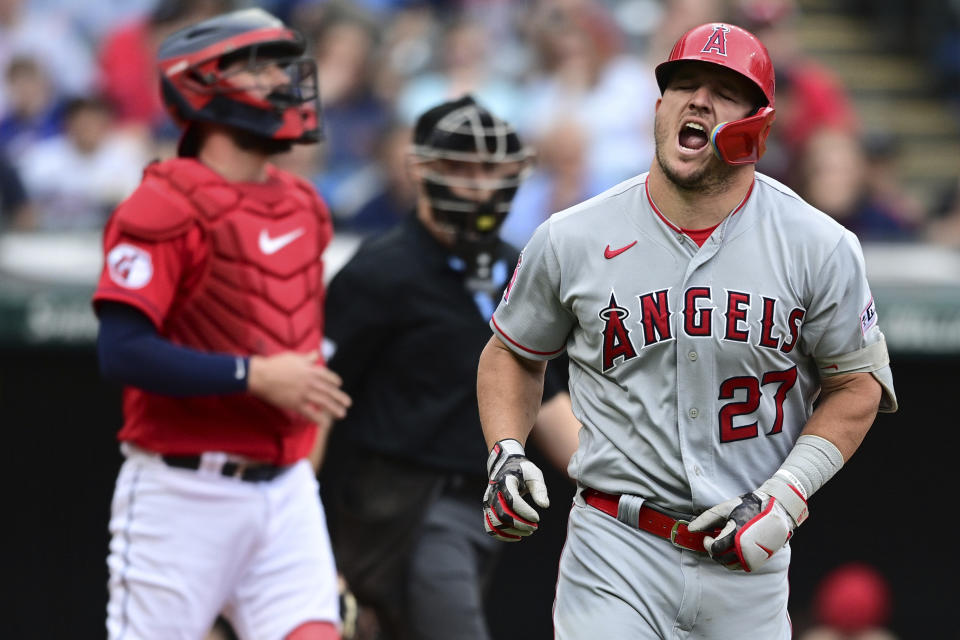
{"x":77,"y":178}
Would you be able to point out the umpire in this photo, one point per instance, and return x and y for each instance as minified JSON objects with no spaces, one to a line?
{"x":406,"y":322}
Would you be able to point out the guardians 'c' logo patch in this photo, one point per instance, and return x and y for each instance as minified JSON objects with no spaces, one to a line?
{"x":129,"y":266}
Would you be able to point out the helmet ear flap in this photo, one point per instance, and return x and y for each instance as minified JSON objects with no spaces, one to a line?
{"x":743,"y":141}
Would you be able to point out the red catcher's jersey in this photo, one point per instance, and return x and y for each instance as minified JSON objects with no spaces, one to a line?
{"x":222,"y":267}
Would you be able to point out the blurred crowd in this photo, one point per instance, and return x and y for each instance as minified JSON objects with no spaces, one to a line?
{"x":80,"y":114}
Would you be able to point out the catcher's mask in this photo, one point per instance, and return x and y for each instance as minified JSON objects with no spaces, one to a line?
{"x":470,"y":164}
{"x":244,"y":70}
{"x":739,"y":141}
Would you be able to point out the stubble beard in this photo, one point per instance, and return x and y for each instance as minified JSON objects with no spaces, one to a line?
{"x":249,"y":141}
{"x":711,"y":178}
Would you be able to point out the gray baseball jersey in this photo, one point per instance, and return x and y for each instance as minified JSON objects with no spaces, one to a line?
{"x":692,"y":369}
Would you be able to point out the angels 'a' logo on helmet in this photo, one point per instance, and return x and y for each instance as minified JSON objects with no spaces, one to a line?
{"x":717,"y":42}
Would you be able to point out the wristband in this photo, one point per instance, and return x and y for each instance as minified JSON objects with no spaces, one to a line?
{"x":812,"y":462}
{"x":502,"y":450}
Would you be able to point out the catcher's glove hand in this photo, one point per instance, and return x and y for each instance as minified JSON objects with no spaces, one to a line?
{"x":506,"y":515}
{"x":755,"y":526}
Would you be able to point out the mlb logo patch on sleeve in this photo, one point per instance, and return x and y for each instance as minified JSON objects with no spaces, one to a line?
{"x":129,"y":266}
{"x":868,"y":317}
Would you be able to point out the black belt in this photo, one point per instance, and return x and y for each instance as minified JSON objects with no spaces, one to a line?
{"x":246,"y":471}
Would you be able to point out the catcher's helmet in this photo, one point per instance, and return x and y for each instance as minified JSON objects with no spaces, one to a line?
{"x":195,"y":87}
{"x":740,"y":141}
{"x":462,"y":131}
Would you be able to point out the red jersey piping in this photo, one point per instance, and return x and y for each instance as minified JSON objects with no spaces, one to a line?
{"x":520,"y":346}
{"x":646,"y":188}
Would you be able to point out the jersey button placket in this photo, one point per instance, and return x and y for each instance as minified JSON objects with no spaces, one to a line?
{"x":693,"y":413}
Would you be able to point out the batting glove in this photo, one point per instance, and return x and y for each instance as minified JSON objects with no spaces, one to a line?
{"x":754,"y":526}
{"x":506,"y":515}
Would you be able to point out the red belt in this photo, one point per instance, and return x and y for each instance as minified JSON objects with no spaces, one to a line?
{"x":652,"y":521}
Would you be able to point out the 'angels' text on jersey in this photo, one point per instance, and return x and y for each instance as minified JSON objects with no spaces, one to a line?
{"x":657,"y":321}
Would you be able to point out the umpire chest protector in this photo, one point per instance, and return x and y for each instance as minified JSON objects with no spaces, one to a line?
{"x":258,"y":289}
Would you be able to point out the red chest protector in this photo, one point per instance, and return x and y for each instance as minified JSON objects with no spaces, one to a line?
{"x":258,"y":291}
{"x":261,"y":288}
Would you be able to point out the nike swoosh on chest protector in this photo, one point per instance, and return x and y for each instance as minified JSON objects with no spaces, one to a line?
{"x":271,"y":245}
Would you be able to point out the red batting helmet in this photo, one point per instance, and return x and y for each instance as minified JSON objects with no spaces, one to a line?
{"x":740,"y":141}
{"x":195,"y":87}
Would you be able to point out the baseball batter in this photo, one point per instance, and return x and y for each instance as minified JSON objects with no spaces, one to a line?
{"x":210,"y":316}
{"x":704,"y":308}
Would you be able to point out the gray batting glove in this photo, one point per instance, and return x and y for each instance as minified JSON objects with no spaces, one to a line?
{"x":506,"y":515}
{"x":754,"y":526}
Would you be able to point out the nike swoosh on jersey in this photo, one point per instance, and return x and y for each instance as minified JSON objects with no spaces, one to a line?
{"x":613,"y":253}
{"x":271,"y":245}
{"x":830,"y":366}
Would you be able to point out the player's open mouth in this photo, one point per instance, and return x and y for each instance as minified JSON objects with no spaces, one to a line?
{"x":693,"y":137}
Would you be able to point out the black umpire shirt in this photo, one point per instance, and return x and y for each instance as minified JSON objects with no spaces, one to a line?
{"x":407,"y":334}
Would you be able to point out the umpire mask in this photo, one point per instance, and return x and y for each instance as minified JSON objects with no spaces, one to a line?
{"x":471,"y":163}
